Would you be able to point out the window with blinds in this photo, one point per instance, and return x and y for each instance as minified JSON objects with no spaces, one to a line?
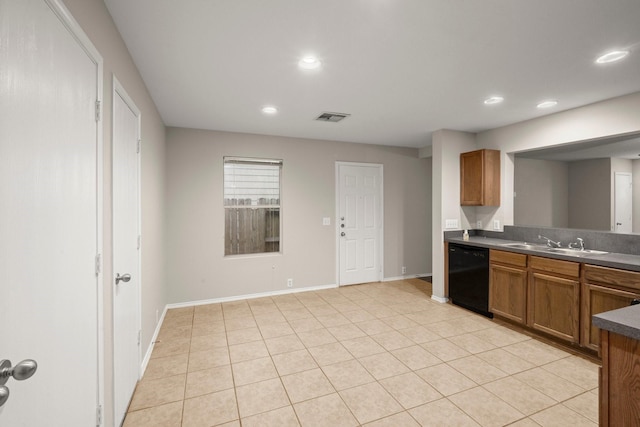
{"x":252,"y":205}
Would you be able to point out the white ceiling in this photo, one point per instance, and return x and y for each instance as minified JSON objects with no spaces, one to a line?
{"x":401,"y":68}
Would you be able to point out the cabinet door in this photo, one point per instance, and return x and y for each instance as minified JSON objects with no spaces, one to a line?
{"x":508,"y":292}
{"x":480,"y":178}
{"x":471,"y":178}
{"x":554,"y":306}
{"x":598,"y":299}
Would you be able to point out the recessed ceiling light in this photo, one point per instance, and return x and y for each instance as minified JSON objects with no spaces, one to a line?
{"x":613,"y":56}
{"x":269,"y":109}
{"x":547,"y":104}
{"x":309,"y":63}
{"x":493,"y":100}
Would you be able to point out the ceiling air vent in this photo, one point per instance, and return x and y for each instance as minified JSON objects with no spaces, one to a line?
{"x":332,"y":117}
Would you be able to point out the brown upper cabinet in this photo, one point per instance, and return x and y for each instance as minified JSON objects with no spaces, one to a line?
{"x":480,"y":178}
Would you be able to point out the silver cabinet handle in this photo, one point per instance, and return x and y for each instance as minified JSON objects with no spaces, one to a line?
{"x":124,"y":278}
{"x":22,"y":371}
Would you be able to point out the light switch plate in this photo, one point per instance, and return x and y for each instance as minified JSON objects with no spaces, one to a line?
{"x":326,"y":221}
{"x":451,"y":223}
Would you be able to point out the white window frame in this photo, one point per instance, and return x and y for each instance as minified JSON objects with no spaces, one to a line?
{"x":254,"y":204}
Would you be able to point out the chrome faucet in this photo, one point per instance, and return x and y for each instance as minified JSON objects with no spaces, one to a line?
{"x":550,"y":242}
{"x":577,"y":245}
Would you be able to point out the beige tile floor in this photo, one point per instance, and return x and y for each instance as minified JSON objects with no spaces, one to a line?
{"x":381,"y":354}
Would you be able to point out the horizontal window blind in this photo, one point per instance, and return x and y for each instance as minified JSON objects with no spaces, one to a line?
{"x":252,"y":182}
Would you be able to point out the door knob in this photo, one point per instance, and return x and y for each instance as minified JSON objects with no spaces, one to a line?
{"x":124,"y":278}
{"x":21,"y":371}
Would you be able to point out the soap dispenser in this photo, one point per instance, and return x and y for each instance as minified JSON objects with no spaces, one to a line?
{"x":465,"y":235}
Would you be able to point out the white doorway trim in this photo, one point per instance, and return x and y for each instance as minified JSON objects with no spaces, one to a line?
{"x":380,"y":236}
{"x":58,"y":7}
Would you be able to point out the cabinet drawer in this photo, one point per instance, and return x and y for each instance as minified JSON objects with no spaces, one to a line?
{"x":612,"y":276}
{"x":511,"y":258}
{"x":566,"y":268}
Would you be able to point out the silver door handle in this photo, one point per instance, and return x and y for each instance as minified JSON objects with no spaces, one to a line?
{"x":124,"y":278}
{"x":22,"y":371}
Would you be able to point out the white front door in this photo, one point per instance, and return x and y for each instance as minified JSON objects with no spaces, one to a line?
{"x":359,"y":223}
{"x":623,"y":208}
{"x":50,"y":81}
{"x":126,"y":259}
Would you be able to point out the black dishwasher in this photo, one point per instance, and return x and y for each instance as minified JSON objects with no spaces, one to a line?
{"x":469,"y":277}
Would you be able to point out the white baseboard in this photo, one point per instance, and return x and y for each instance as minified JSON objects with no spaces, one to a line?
{"x":406,"y":276}
{"x":439,"y":299}
{"x":147,"y":356}
{"x":249,"y":296}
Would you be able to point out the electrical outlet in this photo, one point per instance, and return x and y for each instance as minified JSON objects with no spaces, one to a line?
{"x":496,"y":224}
{"x":289,"y":283}
{"x":326,"y":221}
{"x":451,"y":223}
{"x":479,"y":225}
{"x":404,"y":270}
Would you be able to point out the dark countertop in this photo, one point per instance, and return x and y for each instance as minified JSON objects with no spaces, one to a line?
{"x":613,"y":260}
{"x":624,"y":321}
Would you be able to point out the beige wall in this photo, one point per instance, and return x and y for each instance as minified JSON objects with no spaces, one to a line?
{"x":541,"y":193}
{"x":197,"y":268}
{"x":96,"y":22}
{"x":590,"y":194}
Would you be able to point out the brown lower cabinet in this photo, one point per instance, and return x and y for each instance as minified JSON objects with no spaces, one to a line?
{"x":554,"y":298}
{"x":619,"y":379}
{"x":541,"y":293}
{"x":508,"y":285}
{"x":604,"y":289}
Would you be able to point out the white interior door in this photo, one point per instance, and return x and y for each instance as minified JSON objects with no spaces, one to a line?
{"x":623,"y":207}
{"x":126,"y":248}
{"x":359,"y":223}
{"x":50,"y":81}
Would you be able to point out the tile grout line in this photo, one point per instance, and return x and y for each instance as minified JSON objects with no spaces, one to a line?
{"x":374,"y":297}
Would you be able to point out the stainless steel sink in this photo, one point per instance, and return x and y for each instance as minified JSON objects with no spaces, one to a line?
{"x":576,"y":252}
{"x":523,"y":246}
{"x":564,"y":251}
